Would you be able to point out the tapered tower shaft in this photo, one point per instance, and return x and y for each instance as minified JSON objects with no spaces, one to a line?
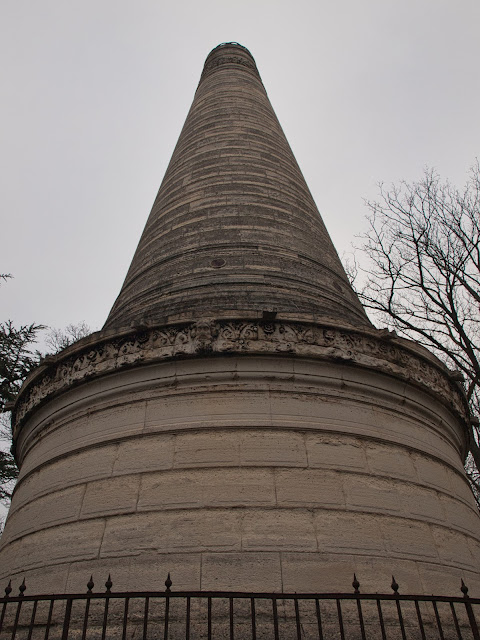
{"x":234,"y":230}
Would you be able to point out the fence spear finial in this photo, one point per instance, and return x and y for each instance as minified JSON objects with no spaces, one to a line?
{"x":8,"y":589}
{"x":356,"y":584}
{"x":464,"y":589}
{"x":108,"y":584}
{"x":22,"y":588}
{"x":168,"y":583}
{"x":394,"y":586}
{"x":90,"y":584}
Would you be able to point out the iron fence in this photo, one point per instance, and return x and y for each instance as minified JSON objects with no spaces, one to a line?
{"x":172,"y":615}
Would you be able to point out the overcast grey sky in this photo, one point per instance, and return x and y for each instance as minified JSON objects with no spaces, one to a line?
{"x":94,"y":94}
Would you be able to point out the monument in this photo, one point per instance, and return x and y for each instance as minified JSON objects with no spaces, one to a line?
{"x":239,"y":422}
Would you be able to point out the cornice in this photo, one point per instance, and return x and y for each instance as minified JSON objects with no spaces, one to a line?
{"x":104,"y":353}
{"x":108,"y":352}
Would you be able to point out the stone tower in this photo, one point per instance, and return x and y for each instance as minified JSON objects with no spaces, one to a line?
{"x":238,"y":421}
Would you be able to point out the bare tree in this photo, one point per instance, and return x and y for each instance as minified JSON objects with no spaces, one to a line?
{"x":423,"y":276}
{"x":58,"y":339}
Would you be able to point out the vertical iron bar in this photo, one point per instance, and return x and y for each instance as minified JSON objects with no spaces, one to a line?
{"x":66,"y":621}
{"x":455,"y":621}
{"x":420,"y":620}
{"x":187,"y":626}
{"x":2,"y":617}
{"x":105,"y":618}
{"x":17,"y":617}
{"x":85,"y":618}
{"x":437,"y":618}
{"x":125,"y":618}
{"x":32,"y":620}
{"x":167,"y":614}
{"x":275,"y":619}
{"x":297,"y":620}
{"x":400,"y":619}
{"x":360,"y":619}
{"x":472,"y":621}
{"x":340,"y":619}
{"x":319,"y":619}
{"x":209,"y":618}
{"x":380,"y":618}
{"x":145,"y":617}
{"x":231,"y":619}
{"x":49,"y":619}
{"x":254,"y":625}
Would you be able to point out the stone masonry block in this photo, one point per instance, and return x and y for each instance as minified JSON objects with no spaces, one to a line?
{"x":339,"y":532}
{"x":148,"y":453}
{"x":335,"y":452}
{"x":56,"y":508}
{"x":460,"y":487}
{"x":409,"y":538}
{"x":73,"y":469}
{"x":432,"y":473}
{"x":363,"y":492}
{"x":207,"y":487}
{"x":272,"y":447}
{"x":247,"y":571}
{"x":390,"y":461}
{"x":420,"y":503}
{"x":461,"y":516}
{"x":170,"y":490}
{"x":92,"y":430}
{"x":172,"y":531}
{"x":309,"y":487}
{"x":56,"y":545}
{"x":441,"y":579}
{"x":113,"y":495}
{"x":206,"y":408}
{"x":209,"y":449}
{"x":144,"y":572}
{"x":119,"y":420}
{"x":316,"y":572}
{"x":375,"y":574}
{"x":474,"y":546}
{"x":453,"y":547}
{"x":272,"y":530}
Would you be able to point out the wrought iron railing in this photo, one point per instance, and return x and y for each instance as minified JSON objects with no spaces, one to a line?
{"x":237,"y":615}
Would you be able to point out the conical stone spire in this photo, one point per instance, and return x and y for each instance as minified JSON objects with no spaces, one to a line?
{"x":234,"y":230}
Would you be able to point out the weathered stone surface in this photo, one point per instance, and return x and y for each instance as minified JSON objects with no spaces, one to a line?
{"x":408,"y":538}
{"x":207,"y":488}
{"x":149,"y":453}
{"x":55,"y":508}
{"x":113,"y":495}
{"x":309,"y":488}
{"x":336,"y":452}
{"x":239,"y":571}
{"x":371,"y":494}
{"x":77,"y":468}
{"x":234,"y":228}
{"x":278,"y":529}
{"x":348,"y":533}
{"x":298,"y":482}
{"x":239,"y":422}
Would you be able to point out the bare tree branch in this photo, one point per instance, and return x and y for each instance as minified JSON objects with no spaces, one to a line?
{"x":423,"y":276}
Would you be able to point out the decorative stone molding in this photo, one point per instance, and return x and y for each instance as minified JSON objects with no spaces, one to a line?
{"x":104,"y":353}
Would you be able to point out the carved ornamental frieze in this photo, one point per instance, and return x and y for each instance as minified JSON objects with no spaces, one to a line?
{"x":101,"y":354}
